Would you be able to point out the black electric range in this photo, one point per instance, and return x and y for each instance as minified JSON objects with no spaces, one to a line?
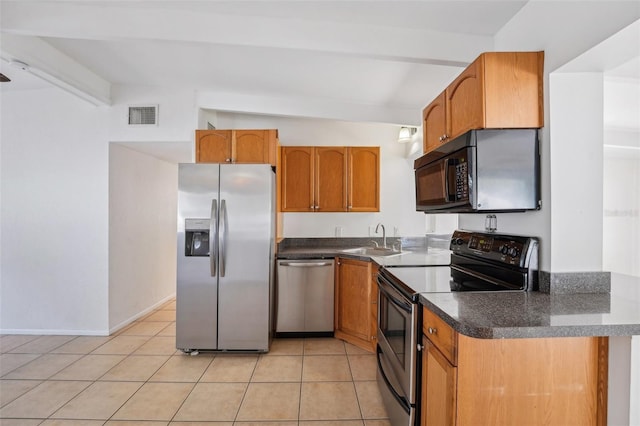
{"x":479,"y":261}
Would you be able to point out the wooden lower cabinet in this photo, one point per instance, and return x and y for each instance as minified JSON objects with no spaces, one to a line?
{"x":536,"y":381}
{"x":439,"y":379}
{"x":354,"y":295}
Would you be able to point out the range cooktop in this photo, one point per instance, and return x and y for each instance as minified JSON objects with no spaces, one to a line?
{"x":420,"y":279}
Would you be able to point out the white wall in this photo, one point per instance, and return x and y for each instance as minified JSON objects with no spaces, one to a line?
{"x":621,"y":215}
{"x":543,"y":25}
{"x":397,"y":193}
{"x":177,"y":114}
{"x":54,"y":223}
{"x":142,"y":233}
{"x":576,"y":171}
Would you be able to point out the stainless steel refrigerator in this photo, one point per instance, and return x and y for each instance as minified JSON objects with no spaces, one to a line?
{"x":225,"y":271}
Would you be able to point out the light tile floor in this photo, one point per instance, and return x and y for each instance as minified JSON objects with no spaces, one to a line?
{"x":137,"y":377}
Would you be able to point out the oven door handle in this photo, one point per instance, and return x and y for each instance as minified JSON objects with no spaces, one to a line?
{"x":401,"y":399}
{"x":484,"y":277}
{"x":407,"y":307}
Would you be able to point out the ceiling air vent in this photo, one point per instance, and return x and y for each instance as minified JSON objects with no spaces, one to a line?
{"x":143,"y":115}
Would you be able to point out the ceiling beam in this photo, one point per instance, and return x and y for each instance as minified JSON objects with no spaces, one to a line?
{"x":307,"y":107}
{"x":44,"y":61}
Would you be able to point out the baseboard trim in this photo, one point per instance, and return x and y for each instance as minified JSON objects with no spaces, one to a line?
{"x":141,"y":314}
{"x":101,"y":332}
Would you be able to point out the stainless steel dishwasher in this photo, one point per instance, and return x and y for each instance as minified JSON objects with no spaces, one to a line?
{"x":305,"y":297}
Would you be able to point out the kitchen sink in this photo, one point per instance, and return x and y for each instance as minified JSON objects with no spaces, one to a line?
{"x":372,"y":251}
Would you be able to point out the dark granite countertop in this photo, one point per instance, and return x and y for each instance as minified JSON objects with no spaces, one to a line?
{"x":498,"y":315}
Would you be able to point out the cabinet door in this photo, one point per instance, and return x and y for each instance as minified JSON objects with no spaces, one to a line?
{"x":353,"y":302}
{"x":513,"y":86}
{"x":254,"y":146}
{"x":465,"y":100}
{"x":330,"y":179}
{"x":296,"y":183}
{"x":439,"y":382}
{"x":213,"y":146}
{"x":373,"y":293}
{"x":434,"y":127}
{"x":364,"y":179}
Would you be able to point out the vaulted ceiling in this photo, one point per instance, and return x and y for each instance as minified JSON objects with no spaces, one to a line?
{"x":370,"y":60}
{"x":387,"y":55}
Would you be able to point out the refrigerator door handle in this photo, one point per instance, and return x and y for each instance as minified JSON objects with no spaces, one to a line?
{"x":213,"y":237}
{"x":223,"y":238}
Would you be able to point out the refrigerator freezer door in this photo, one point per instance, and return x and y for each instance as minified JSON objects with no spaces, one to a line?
{"x":247,"y":228}
{"x":197,"y":290}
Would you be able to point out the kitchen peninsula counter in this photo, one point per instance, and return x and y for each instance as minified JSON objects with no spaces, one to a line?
{"x":506,"y":315}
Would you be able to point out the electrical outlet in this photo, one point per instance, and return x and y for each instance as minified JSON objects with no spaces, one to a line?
{"x":372,"y":230}
{"x":338,"y":232}
{"x":396,"y":231}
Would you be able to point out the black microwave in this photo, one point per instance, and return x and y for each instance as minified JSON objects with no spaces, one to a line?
{"x":485,"y":171}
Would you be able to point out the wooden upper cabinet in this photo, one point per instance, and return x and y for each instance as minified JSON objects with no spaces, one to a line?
{"x":464,"y":100}
{"x":213,"y":146}
{"x":363,"y":179}
{"x":237,"y":146}
{"x":330,"y":179}
{"x":297,"y":179}
{"x":434,"y":124}
{"x":498,"y":90}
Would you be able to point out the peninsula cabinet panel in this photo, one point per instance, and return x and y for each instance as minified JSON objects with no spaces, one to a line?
{"x":364,"y":179}
{"x":498,"y":90}
{"x":353,"y":294}
{"x":297,"y":179}
{"x":545,"y":381}
{"x":237,"y":146}
{"x":532,"y":381}
{"x":331,"y":179}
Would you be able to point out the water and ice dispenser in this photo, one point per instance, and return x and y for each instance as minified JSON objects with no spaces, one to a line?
{"x":196,"y":237}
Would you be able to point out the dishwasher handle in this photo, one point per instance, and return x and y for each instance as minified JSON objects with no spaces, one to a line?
{"x":305,"y":264}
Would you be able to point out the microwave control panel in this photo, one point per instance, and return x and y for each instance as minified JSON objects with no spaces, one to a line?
{"x":462,"y":183}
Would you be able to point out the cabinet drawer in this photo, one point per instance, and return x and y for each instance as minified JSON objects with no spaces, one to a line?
{"x":441,"y":335}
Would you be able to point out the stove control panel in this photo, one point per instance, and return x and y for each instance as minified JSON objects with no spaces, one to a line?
{"x":507,"y":249}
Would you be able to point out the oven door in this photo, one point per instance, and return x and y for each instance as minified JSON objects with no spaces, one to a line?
{"x":397,"y":322}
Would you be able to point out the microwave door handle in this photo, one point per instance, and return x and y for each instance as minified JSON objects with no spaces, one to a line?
{"x":448,"y":163}
{"x":447,"y":167}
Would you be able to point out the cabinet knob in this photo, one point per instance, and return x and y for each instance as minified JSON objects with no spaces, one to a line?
{"x":432,"y":330}
{"x":419,"y":347}
{"x":228,"y":160}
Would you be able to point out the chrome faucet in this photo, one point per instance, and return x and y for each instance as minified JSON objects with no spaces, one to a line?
{"x":384,"y":235}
